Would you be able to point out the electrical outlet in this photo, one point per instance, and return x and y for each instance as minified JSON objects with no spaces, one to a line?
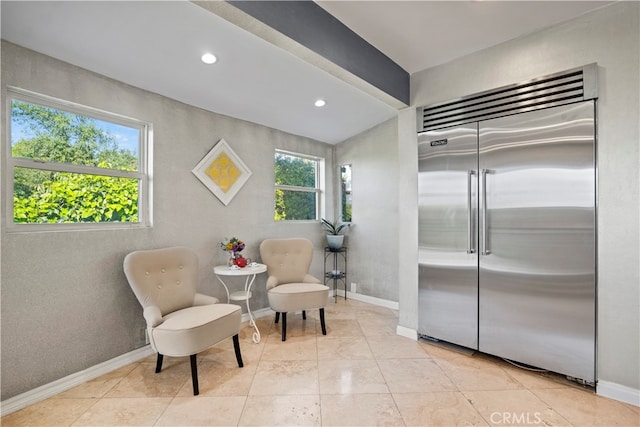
{"x":146,"y":336}
{"x":353,"y":288}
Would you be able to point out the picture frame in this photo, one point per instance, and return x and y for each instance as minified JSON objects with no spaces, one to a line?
{"x":222,"y":172}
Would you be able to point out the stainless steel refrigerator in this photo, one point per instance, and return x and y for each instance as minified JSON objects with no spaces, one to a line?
{"x":507,"y":238}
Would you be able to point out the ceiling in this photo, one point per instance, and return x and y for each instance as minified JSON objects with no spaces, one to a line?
{"x":421,"y":34}
{"x":157,"y":46}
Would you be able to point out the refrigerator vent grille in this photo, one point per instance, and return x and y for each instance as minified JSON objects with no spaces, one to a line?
{"x":566,"y":87}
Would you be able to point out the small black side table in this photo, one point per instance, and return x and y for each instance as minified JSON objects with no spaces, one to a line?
{"x":335,"y":273}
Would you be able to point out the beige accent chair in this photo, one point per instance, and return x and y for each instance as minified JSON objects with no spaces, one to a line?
{"x":180,"y":321}
{"x":290,"y":287}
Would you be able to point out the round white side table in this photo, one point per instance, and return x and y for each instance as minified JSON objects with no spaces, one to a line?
{"x":249,"y":273}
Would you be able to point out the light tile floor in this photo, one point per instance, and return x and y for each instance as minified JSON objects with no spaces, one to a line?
{"x":360,"y":374}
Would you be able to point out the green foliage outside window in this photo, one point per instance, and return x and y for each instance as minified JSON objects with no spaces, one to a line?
{"x":300,"y":201}
{"x":72,"y":198}
{"x":42,"y":195}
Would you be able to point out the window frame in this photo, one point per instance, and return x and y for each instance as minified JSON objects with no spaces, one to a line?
{"x":143,"y":174}
{"x":318,"y":189}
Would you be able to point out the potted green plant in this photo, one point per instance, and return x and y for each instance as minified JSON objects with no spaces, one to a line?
{"x":334,"y":238}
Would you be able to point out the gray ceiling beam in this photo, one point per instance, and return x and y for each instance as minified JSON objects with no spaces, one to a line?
{"x":316,"y":29}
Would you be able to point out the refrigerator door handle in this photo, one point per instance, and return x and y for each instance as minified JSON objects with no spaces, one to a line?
{"x":485,"y":246}
{"x":470,"y":240}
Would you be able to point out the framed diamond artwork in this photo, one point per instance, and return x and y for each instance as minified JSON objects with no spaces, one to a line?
{"x":222,"y":172}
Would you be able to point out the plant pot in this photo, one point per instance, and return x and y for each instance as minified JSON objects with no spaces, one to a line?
{"x":335,"y":241}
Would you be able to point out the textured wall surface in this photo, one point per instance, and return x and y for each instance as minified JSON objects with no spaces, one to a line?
{"x":66,"y":305}
{"x":373,"y":238}
{"x":610,"y":37}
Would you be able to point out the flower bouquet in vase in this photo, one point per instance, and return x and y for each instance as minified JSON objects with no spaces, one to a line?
{"x":234,"y":246}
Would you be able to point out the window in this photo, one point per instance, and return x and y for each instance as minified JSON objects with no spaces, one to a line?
{"x":298,"y":189}
{"x":70,"y":164}
{"x":345,"y":193}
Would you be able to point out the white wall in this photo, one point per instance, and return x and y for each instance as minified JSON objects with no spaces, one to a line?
{"x":610,"y":37}
{"x":373,"y":239}
{"x":66,"y":305}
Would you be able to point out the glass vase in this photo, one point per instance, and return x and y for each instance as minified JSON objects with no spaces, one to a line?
{"x":232,"y":258}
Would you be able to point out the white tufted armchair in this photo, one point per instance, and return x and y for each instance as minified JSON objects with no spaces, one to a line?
{"x":180,"y":321}
{"x":290,"y":287}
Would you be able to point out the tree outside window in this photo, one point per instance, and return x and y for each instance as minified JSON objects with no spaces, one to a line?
{"x":71,"y":168}
{"x":297,"y":192}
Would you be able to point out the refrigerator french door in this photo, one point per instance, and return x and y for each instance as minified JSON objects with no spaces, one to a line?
{"x":514,"y":227}
{"x":447,"y":182}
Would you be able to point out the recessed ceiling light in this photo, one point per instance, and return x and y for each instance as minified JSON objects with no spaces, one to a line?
{"x":320,"y":103}
{"x":209,"y":58}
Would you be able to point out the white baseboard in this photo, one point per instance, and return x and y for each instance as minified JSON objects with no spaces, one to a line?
{"x":618,"y":392}
{"x":49,"y":390}
{"x":371,"y":300}
{"x":407,"y":332}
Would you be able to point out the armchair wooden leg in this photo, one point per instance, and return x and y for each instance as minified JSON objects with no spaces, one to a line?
{"x":284,"y":326}
{"x":304,"y":315}
{"x":194,"y":375}
{"x":236,"y":347}
{"x":277,"y":316}
{"x":324,"y":329}
{"x":159,"y":363}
